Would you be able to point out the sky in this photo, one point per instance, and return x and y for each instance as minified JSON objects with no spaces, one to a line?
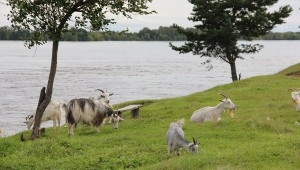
{"x":176,"y":11}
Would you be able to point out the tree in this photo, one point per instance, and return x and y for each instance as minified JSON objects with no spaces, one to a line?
{"x":221,"y":23}
{"x":48,"y":19}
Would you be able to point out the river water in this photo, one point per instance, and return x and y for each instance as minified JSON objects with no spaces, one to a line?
{"x":131,"y":70}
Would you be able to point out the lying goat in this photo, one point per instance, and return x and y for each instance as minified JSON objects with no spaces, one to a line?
{"x":176,"y":140}
{"x":295,"y":98}
{"x":90,"y":112}
{"x":212,"y":113}
{"x":53,"y":111}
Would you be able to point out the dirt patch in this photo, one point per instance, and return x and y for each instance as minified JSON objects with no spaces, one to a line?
{"x":294,"y":74}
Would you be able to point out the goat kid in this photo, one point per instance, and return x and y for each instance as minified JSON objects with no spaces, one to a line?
{"x":53,"y":111}
{"x":213,"y":113}
{"x":91,"y":112}
{"x":176,"y":141}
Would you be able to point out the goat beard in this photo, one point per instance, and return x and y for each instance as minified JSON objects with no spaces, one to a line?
{"x":231,"y":113}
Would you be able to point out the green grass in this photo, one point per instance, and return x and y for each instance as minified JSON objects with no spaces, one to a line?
{"x":262,"y":135}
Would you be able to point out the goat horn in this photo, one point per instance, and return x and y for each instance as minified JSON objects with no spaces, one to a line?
{"x":101,"y":90}
{"x":222,"y":94}
{"x":194,"y":141}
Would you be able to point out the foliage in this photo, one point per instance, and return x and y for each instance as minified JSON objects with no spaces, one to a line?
{"x":49,"y":19}
{"x":262,"y":135}
{"x":8,"y":33}
{"x":221,"y":23}
{"x":146,"y":34}
{"x":80,"y":34}
{"x":281,"y":36}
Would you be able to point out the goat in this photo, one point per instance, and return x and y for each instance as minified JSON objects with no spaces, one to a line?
{"x":90,"y":112}
{"x":104,"y":96}
{"x":295,"y":98}
{"x":53,"y":112}
{"x":176,"y":141}
{"x":212,"y":113}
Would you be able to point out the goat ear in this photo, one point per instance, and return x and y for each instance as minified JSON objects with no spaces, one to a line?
{"x":110,"y":94}
{"x":221,"y":101}
{"x":119,"y":112}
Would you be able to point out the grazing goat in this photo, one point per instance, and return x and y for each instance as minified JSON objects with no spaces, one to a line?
{"x":176,"y":140}
{"x":104,"y":97}
{"x":295,"y":98}
{"x":53,"y":111}
{"x":212,"y":113}
{"x":90,"y":112}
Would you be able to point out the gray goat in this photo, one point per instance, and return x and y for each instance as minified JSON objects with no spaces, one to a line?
{"x":176,"y":140}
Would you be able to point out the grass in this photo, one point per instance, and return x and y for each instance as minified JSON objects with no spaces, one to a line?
{"x":262,"y":135}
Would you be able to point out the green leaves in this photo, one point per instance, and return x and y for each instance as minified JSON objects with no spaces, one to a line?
{"x":50,"y":18}
{"x":221,"y":23}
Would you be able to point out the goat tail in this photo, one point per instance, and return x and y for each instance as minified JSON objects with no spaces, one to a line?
{"x":70,"y":118}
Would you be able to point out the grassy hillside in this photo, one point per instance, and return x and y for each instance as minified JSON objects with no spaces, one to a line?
{"x":262,"y":135}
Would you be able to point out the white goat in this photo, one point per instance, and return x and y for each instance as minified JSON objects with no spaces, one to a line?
{"x":104,"y":96}
{"x":90,"y":112}
{"x":212,"y":113}
{"x":53,"y":111}
{"x":295,"y":98}
{"x":176,"y":141}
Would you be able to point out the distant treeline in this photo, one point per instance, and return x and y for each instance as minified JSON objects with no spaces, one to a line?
{"x":146,"y":34}
{"x":281,"y":36}
{"x":160,"y":34}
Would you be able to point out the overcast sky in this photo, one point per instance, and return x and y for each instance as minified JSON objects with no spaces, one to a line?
{"x":176,"y":11}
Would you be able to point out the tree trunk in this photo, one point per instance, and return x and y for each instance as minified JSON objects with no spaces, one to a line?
{"x":38,"y":115}
{"x":45,"y":98}
{"x":233,"y":71}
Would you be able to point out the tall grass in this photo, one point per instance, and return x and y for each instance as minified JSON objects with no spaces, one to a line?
{"x":262,"y":135}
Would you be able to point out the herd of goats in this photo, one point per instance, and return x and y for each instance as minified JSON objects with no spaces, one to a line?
{"x":93,"y":111}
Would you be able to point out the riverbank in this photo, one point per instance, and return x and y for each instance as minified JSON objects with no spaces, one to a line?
{"x":262,"y":135}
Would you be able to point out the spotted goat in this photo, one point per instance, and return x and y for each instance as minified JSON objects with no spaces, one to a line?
{"x":91,"y":111}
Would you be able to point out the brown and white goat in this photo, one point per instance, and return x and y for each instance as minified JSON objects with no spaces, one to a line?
{"x":91,"y":112}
